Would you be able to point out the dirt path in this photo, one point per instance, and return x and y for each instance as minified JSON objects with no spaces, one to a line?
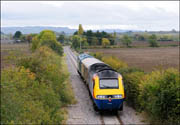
{"x":83,"y":112}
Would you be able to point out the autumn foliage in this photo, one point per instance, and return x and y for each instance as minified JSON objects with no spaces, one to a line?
{"x":48,"y":38}
{"x":36,"y":90}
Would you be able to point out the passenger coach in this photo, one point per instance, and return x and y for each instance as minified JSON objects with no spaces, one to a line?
{"x":104,"y":83}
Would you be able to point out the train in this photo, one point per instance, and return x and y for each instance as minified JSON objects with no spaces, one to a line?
{"x":104,"y":83}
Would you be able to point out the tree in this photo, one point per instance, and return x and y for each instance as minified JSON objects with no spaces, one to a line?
{"x":17,"y":35}
{"x":105,"y":42}
{"x":115,"y":37}
{"x":84,"y":41}
{"x":61,"y":38}
{"x":153,"y":41}
{"x":89,"y":35}
{"x":29,"y":37}
{"x":76,"y":41}
{"x":111,"y":39}
{"x":94,"y":41}
{"x":126,"y":40}
{"x":47,"y":38}
{"x":23,"y":38}
{"x":80,"y":30}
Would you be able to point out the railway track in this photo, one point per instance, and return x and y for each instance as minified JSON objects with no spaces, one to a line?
{"x":104,"y":117}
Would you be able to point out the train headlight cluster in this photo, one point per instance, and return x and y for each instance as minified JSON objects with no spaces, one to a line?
{"x":100,"y":96}
{"x":118,"y":96}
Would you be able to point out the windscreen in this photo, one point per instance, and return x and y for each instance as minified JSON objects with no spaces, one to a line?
{"x":109,"y":84}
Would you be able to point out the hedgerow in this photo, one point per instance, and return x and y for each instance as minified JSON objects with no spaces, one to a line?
{"x":114,"y":62}
{"x":36,"y":90}
{"x":157,"y":92}
{"x":160,"y":95}
{"x":132,"y":88}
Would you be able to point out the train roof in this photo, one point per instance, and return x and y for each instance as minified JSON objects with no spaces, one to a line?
{"x":98,"y":67}
{"x":107,"y":74}
{"x":84,"y":56}
{"x":90,"y":61}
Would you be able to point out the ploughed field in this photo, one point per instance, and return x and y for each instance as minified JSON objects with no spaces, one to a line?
{"x":10,"y":52}
{"x":147,"y":59}
{"x":146,"y":44}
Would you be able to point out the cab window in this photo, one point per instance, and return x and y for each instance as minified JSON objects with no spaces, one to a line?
{"x":108,"y":84}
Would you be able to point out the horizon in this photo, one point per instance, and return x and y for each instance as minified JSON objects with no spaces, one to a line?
{"x":88,"y":29}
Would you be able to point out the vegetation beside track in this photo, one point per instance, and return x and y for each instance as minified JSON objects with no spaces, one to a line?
{"x":156,"y":93}
{"x":36,"y":89}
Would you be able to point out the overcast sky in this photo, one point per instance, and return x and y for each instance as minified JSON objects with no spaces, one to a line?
{"x":136,"y":15}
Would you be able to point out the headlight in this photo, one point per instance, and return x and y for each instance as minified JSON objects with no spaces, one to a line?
{"x":100,"y":96}
{"x":118,"y":96}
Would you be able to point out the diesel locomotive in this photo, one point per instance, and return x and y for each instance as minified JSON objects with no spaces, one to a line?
{"x":104,"y":83}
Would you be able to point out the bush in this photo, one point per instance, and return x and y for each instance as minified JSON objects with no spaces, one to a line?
{"x":124,"y":71}
{"x":47,"y":67}
{"x":20,"y":101}
{"x":56,"y":46}
{"x":126,"y":40}
{"x":160,"y":96}
{"x":35,"y":91}
{"x":153,"y":41}
{"x":114,"y":62}
{"x":97,"y":55}
{"x":132,"y":82}
{"x":48,"y":38}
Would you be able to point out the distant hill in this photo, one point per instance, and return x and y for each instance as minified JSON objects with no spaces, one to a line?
{"x":38,"y":29}
{"x":35,"y":29}
{"x":2,"y":33}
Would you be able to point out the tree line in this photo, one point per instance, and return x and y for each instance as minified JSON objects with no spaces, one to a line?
{"x":90,"y":38}
{"x":82,"y":38}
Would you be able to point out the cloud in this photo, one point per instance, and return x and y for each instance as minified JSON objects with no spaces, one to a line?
{"x":143,"y":15}
{"x":54,"y":3}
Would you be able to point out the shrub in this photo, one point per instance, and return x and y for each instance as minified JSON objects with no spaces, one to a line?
{"x":36,"y":90}
{"x":105,"y":42}
{"x":160,"y":95}
{"x":126,"y":40}
{"x":19,"y":105}
{"x":48,"y":38}
{"x":124,"y":71}
{"x":97,"y":55}
{"x":132,"y":82}
{"x":114,"y":62}
{"x":56,"y":46}
{"x":48,"y":69}
{"x":153,"y":41}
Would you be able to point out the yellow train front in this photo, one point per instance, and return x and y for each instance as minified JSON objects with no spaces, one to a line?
{"x":104,"y":83}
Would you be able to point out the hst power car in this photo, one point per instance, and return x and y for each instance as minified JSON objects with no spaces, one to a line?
{"x":105,"y":84}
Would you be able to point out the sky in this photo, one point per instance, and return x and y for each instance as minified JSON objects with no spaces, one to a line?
{"x":130,"y":15}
